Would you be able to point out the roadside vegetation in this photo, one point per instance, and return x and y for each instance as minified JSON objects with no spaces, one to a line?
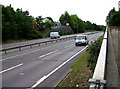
{"x":78,"y":25}
{"x":114,"y":17}
{"x":93,"y":50}
{"x":82,"y":70}
{"x":79,"y":74}
{"x":19,"y":25}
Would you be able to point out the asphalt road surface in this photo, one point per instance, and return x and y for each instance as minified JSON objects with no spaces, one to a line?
{"x":32,"y":41}
{"x":43,"y":66}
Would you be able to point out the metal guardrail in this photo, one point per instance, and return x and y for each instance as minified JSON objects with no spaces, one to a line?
{"x":30,"y":45}
{"x":98,"y":81}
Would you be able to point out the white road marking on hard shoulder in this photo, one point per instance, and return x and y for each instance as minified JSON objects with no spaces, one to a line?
{"x":11,"y":68}
{"x":39,"y":81}
{"x":45,"y":77}
{"x":48,"y":54}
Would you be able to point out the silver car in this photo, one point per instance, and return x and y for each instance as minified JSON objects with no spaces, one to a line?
{"x":81,"y":40}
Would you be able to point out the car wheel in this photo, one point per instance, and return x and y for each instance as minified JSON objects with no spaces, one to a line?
{"x":76,"y":44}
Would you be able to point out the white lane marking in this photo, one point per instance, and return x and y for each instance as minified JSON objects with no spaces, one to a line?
{"x":19,"y":55}
{"x":48,"y":54}
{"x":22,"y":54}
{"x":11,"y":68}
{"x":38,"y":82}
{"x":45,"y":77}
{"x":68,"y":46}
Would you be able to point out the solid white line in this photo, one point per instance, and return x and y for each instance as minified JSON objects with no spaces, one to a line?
{"x":45,"y":77}
{"x":11,"y":68}
{"x":48,"y":54}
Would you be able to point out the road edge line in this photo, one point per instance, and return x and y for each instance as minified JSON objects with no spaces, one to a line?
{"x":45,"y":77}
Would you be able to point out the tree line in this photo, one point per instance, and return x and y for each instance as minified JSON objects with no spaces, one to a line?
{"x":19,"y":24}
{"x":77,"y":24}
{"x":114,"y":18}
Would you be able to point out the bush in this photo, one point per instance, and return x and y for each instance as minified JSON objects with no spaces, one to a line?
{"x":93,"y":50}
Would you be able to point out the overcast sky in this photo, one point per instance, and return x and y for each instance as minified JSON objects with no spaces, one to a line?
{"x":94,"y":11}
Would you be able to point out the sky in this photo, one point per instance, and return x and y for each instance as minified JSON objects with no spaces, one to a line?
{"x":94,"y":11}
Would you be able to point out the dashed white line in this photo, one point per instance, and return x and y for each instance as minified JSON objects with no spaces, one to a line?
{"x":48,"y":54}
{"x":11,"y":68}
{"x":46,"y":76}
{"x":21,"y":54}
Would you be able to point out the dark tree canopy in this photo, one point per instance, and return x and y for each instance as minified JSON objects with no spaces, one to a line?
{"x":77,"y":24}
{"x":20,"y":25}
{"x":114,"y":17}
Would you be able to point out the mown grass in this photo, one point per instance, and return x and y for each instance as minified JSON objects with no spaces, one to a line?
{"x":79,"y":74}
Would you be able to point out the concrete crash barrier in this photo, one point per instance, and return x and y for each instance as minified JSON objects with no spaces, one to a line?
{"x":98,"y":81}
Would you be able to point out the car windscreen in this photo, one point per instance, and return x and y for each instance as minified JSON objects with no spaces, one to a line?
{"x":54,"y":34}
{"x":80,"y":37}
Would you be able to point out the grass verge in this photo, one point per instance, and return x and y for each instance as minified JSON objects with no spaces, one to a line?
{"x":79,"y":74}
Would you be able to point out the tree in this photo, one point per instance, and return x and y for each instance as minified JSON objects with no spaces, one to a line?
{"x":74,"y":22}
{"x":40,"y":23}
{"x":50,"y":19}
{"x":88,"y":25}
{"x":9,"y":27}
{"x":110,"y":15}
{"x":24,"y":23}
{"x":115,"y":20}
{"x":49,"y":24}
{"x":17,"y":24}
{"x":65,"y":18}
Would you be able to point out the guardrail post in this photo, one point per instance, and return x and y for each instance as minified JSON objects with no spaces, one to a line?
{"x":19,"y":48}
{"x":30,"y":46}
{"x":97,"y":84}
{"x":5,"y":51}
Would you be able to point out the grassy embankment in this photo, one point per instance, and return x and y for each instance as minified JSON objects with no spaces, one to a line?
{"x":79,"y":74}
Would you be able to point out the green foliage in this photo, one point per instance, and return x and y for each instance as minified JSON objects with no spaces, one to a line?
{"x":39,"y":21}
{"x":48,"y":24}
{"x":114,"y":17}
{"x":20,"y":25}
{"x":93,"y":50}
{"x":78,"y":75}
{"x":77,"y":24}
{"x":65,"y":18}
{"x":44,"y":23}
{"x":88,"y":25}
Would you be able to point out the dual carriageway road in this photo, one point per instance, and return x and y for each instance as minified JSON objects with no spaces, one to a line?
{"x":43,"y":66}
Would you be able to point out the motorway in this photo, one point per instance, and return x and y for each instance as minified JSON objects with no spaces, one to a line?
{"x":33,"y":41}
{"x":43,"y":66}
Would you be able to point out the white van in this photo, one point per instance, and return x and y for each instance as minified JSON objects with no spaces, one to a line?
{"x":54,"y":35}
{"x":80,"y":40}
